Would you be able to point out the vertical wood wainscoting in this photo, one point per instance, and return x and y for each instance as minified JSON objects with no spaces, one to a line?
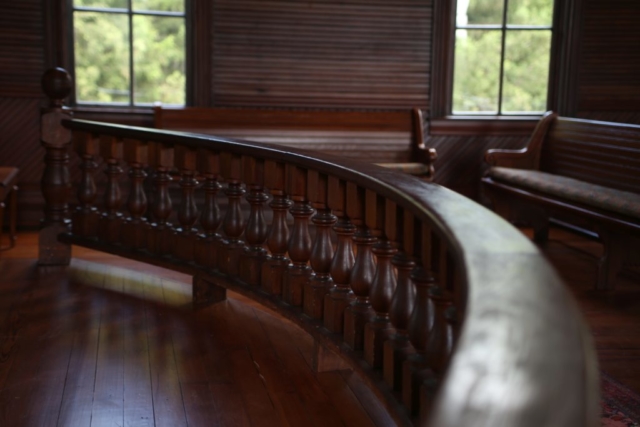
{"x":434,"y":301}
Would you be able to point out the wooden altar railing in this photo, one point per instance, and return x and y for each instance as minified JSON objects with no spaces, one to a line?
{"x":449,"y":314}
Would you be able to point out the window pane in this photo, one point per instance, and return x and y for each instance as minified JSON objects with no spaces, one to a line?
{"x":530,"y":12}
{"x":479,"y":12}
{"x":526,"y":71}
{"x":159,"y":59}
{"x":163,"y":5}
{"x":476,"y":71}
{"x":101,"y":42}
{"x":122,"y":4}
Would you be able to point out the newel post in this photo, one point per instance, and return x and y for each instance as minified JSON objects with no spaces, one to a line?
{"x":55,"y":184}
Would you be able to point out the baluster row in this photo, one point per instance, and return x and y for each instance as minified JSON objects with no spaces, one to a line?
{"x":385,"y":283}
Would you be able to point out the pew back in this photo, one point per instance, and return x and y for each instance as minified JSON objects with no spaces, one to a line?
{"x":601,"y":153}
{"x":393,"y":136}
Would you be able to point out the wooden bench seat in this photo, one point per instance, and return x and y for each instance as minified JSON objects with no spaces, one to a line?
{"x":390,"y":138}
{"x":581,"y":172}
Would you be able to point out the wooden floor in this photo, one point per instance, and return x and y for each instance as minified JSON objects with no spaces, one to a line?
{"x":614,"y":316}
{"x":110,"y":342}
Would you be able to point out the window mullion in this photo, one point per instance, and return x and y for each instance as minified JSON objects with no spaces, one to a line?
{"x":502,"y":49}
{"x":131,"y":75}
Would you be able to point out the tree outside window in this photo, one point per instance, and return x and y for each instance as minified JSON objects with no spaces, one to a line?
{"x":129,"y":52}
{"x":502,"y":56}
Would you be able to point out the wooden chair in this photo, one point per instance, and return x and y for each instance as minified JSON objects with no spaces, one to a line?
{"x":9,"y":191}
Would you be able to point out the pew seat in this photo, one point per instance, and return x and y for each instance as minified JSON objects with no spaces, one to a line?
{"x":582,"y":173}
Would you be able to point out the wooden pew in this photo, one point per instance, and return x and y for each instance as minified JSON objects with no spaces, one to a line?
{"x":582,"y":172}
{"x":393,"y":139}
{"x":449,"y":314}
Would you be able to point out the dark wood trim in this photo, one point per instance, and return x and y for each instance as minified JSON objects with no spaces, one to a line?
{"x":442,"y":57}
{"x":199,"y":53}
{"x":56,"y":31}
{"x":490,"y":125}
{"x":565,"y":57}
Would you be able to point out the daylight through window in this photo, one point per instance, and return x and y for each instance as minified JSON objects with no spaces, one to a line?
{"x":502,"y":53}
{"x":129,"y":52}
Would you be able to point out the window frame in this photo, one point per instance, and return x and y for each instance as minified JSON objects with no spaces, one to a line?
{"x":59,"y":53}
{"x":129,"y":12}
{"x":561,"y":91}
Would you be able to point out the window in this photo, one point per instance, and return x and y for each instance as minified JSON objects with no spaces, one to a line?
{"x":501,"y":57}
{"x":129,"y":52}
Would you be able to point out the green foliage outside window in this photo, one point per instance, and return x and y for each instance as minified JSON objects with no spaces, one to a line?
{"x":102,"y":53}
{"x":477,"y":59}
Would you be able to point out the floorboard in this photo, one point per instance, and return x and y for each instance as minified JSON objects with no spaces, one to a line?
{"x":108,"y":341}
{"x":111,"y":342}
{"x":613,"y":315}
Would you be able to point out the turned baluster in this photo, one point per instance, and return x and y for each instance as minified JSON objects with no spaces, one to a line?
{"x":206,"y":244}
{"x":210,"y":218}
{"x":276,"y":264}
{"x":111,"y":219}
{"x":451,"y":316}
{"x":231,"y":245}
{"x":415,"y":369}
{"x":384,"y":281}
{"x":429,"y":386}
{"x":398,"y":347}
{"x":85,"y":218}
{"x":159,"y":232}
{"x":440,"y":336}
{"x":442,"y":264}
{"x":55,"y":183}
{"x":322,"y":250}
{"x":339,"y":295}
{"x":185,"y":236}
{"x":298,"y":272}
{"x":359,"y":312}
{"x":255,"y":254}
{"x":133,"y":229}
{"x":425,"y":369}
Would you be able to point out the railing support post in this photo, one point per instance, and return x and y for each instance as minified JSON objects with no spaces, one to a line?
{"x":55,"y":183}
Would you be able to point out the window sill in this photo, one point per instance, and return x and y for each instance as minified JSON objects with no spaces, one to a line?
{"x":105,"y":109}
{"x":484,"y":125}
{"x":131,"y":116}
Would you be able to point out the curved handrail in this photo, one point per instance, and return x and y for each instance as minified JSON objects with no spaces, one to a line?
{"x":523,"y":356}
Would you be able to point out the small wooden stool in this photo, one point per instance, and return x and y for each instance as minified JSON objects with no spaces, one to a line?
{"x":9,"y":190}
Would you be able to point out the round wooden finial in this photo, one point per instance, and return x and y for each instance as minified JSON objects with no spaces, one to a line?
{"x":56,"y":84}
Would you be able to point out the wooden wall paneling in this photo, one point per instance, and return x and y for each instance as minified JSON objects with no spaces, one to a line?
{"x":22,"y":61}
{"x":612,"y":116}
{"x":21,"y":48}
{"x":610,"y":57}
{"x":58,"y":33}
{"x":349,"y":54}
{"x":199,"y":31}
{"x":565,"y":56}
{"x":442,"y":58}
{"x":460,"y":163}
{"x":20,"y":147}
